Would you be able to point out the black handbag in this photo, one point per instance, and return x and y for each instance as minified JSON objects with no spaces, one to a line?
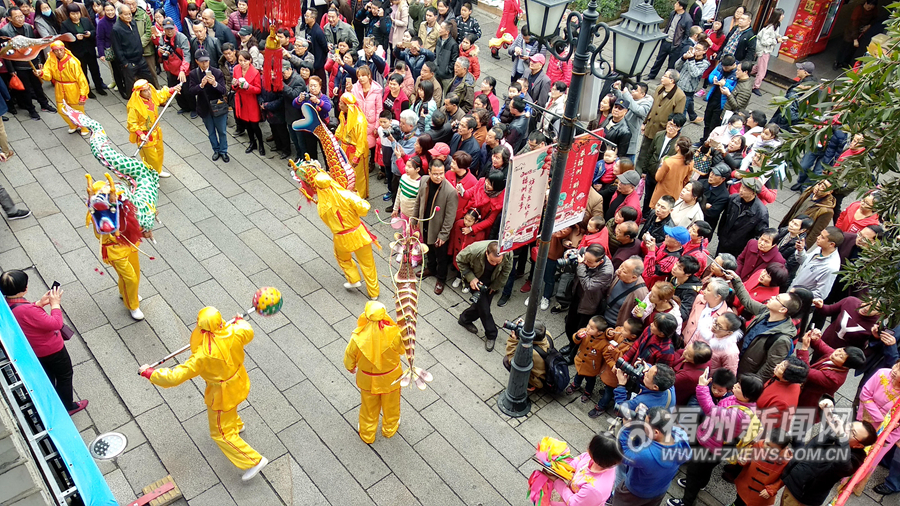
{"x":218,"y":107}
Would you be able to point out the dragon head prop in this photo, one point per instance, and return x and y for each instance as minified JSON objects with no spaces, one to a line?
{"x":305,"y":173}
{"x":103,"y":205}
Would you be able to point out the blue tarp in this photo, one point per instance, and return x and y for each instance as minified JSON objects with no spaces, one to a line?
{"x":81,"y":466}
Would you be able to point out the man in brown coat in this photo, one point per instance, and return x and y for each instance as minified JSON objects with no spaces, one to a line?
{"x":817,"y":202}
{"x":668,"y":99}
{"x":437,"y":196}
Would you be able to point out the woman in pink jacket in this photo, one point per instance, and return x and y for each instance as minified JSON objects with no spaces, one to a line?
{"x":44,"y":333}
{"x":399,"y":21}
{"x":559,"y":70}
{"x":727,"y":331}
{"x":370,"y":98}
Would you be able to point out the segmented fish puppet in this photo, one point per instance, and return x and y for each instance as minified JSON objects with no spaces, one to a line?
{"x":339,"y":167}
{"x":142,"y":189}
{"x":21,"y":48}
{"x":407,"y":251}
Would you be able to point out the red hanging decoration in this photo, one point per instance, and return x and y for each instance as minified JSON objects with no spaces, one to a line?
{"x":281,"y":13}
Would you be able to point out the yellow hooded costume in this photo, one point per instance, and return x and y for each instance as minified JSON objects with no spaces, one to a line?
{"x":116,"y":250}
{"x":142,"y":113}
{"x":351,"y":133}
{"x":374,"y":354}
{"x":68,"y":80}
{"x":342,"y":210}
{"x":217,"y":356}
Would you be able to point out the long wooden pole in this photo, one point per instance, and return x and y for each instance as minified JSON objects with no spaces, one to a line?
{"x":870,"y":462}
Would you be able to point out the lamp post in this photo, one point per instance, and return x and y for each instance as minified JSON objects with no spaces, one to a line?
{"x":629,"y":42}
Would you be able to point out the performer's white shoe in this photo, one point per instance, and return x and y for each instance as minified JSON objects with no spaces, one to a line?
{"x":350,"y":286}
{"x":164,"y":174}
{"x":253,"y":471}
{"x":137,"y":314}
{"x":72,"y":130}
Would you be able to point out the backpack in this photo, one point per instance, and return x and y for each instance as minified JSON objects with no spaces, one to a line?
{"x":557,"y":369}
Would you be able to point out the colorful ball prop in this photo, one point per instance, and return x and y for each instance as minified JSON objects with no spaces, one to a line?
{"x":267,"y":301}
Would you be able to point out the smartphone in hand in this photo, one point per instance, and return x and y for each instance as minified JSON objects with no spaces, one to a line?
{"x":54,"y":285}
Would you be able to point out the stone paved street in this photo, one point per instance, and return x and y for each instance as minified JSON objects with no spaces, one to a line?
{"x":225,"y":230}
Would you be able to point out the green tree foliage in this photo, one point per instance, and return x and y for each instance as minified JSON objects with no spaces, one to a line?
{"x":865,"y":101}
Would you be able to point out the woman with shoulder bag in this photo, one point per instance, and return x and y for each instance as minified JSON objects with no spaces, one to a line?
{"x":45,"y":333}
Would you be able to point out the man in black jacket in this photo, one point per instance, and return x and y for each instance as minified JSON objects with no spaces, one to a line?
{"x":828,"y":458}
{"x":207,"y":84}
{"x":677,"y":30}
{"x":204,"y":40}
{"x":744,"y":218}
{"x":615,"y":128}
{"x":293,"y":88}
{"x":715,"y":191}
{"x":317,"y":43}
{"x":18,"y":26}
{"x":518,"y":127}
{"x":128,"y":48}
{"x":464,"y":140}
{"x":445,"y":52}
{"x":741,"y":41}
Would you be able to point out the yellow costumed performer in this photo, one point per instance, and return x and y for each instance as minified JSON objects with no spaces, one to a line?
{"x":342,"y":210}
{"x":64,"y":71}
{"x":351,"y":133}
{"x":374,"y":355}
{"x":217,"y":356}
{"x":143,"y":109}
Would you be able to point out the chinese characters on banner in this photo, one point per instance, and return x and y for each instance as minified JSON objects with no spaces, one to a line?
{"x":523,"y":204}
{"x":577,"y":181}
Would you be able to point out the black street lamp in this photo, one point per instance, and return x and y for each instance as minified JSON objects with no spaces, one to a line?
{"x":630,"y":56}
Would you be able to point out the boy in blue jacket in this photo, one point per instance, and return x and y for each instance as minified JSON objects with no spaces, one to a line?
{"x":724,"y":75}
{"x":657,"y":390}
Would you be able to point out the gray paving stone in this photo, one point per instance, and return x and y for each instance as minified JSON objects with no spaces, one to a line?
{"x":323,"y":467}
{"x":493,"y":428}
{"x":291,"y":484}
{"x":141,"y":467}
{"x":131,"y":431}
{"x":307,"y":225}
{"x":270,"y":200}
{"x":177,"y":452}
{"x":246,"y":203}
{"x":36,"y":199}
{"x":277,"y":260}
{"x":72,"y":207}
{"x":186,"y":175}
{"x":280,"y":180}
{"x":8,"y":240}
{"x":340,"y":392}
{"x":236,"y":220}
{"x":52,"y":182}
{"x":296,"y":309}
{"x":190,"y":205}
{"x":201,"y":247}
{"x":105,"y":407}
{"x":490,"y":462}
{"x":268,"y":356}
{"x":138,"y":394}
{"x":456,"y":471}
{"x":298,"y":249}
{"x":44,"y":255}
{"x":177,"y":294}
{"x":268,"y":224}
{"x":327,"y":306}
{"x":178,"y":257}
{"x":119,"y":486}
{"x":237,"y":252}
{"x":567,"y":425}
{"x":176,"y":222}
{"x":480,"y":382}
{"x":391,"y":491}
{"x":82,"y":261}
{"x":277,"y":412}
{"x":111,"y":305}
{"x":215,"y":496}
{"x":339,"y":435}
{"x":416,"y":474}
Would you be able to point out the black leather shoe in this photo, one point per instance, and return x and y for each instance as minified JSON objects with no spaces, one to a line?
{"x":565,"y":349}
{"x":468,"y":326}
{"x":101,"y":92}
{"x":504,"y":299}
{"x":883,"y":489}
{"x":489,"y":344}
{"x":285,"y":155}
{"x":215,"y":156}
{"x":226,"y":158}
{"x":262,"y":151}
{"x":250,"y":149}
{"x":91,"y":95}
{"x":48,"y":108}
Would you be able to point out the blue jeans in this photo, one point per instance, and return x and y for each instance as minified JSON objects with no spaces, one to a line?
{"x":297,"y":141}
{"x":813,"y":161}
{"x":607,"y":399}
{"x":215,"y":127}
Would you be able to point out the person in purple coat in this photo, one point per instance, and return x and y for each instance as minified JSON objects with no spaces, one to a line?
{"x":104,"y":42}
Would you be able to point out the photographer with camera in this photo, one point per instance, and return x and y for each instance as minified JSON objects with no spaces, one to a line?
{"x":594,"y":275}
{"x":543,"y":343}
{"x":656,"y":388}
{"x":174,"y":51}
{"x":486,"y":271}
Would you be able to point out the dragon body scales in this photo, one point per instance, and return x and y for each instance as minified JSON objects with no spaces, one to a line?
{"x":143,"y":182}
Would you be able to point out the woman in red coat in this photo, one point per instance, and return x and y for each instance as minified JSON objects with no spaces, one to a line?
{"x":828,"y":373}
{"x":247,"y":85}
{"x":512,"y":9}
{"x":487,"y":198}
{"x":460,"y":175}
{"x":764,"y":284}
{"x":758,"y":254}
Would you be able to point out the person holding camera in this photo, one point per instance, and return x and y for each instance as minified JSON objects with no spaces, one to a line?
{"x":174,"y":52}
{"x":594,"y":275}
{"x":486,"y":270}
{"x":45,"y":333}
{"x":208,"y":85}
{"x":656,"y":387}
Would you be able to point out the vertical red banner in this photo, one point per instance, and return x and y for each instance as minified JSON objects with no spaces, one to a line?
{"x":577,"y":181}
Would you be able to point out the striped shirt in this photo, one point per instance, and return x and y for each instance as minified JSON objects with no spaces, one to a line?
{"x":409,"y":188}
